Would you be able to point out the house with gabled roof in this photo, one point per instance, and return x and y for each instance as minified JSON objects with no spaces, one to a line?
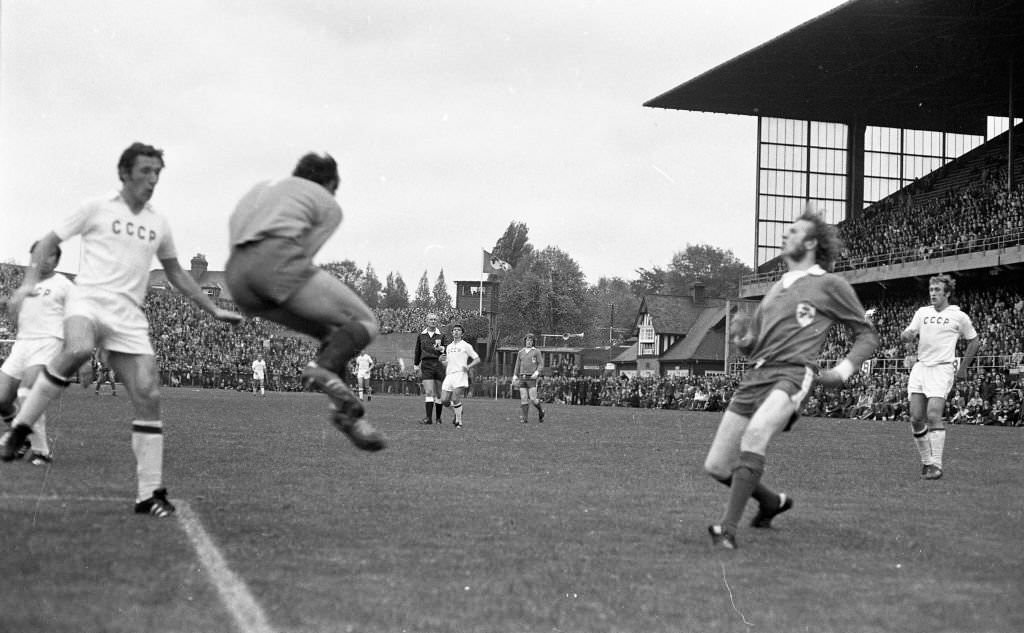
{"x":680,"y":335}
{"x":212,"y":282}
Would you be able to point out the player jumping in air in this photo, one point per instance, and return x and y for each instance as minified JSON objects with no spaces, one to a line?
{"x":937,"y":328}
{"x":276,"y":230}
{"x":783,"y":341}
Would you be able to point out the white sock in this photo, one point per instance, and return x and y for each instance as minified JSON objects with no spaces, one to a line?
{"x":937,"y":439}
{"x":924,"y":447}
{"x":457,"y":408}
{"x":148,"y":445}
{"x":37,"y":438}
{"x":42,"y":393}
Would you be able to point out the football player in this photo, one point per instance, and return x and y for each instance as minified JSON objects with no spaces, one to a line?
{"x":459,"y":357}
{"x":525,"y":374}
{"x":783,"y":341}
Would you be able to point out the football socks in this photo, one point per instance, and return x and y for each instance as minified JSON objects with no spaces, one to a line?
{"x":937,"y":439}
{"x":342,"y":345}
{"x":148,"y":445}
{"x":924,"y":447}
{"x":45,"y":389}
{"x":745,"y":478}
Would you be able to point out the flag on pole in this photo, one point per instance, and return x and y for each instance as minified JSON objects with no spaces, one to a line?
{"x":493,"y":265}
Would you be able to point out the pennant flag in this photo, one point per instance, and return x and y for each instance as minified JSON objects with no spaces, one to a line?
{"x":493,"y":265}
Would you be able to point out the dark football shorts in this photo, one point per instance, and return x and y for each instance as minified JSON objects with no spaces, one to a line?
{"x":432,"y":369}
{"x":263,"y":275}
{"x":795,"y":380}
{"x":525,"y":382}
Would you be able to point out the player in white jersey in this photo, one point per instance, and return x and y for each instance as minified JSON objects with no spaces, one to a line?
{"x":459,"y":357}
{"x":120,"y":236}
{"x":40,"y":337}
{"x":259,"y":375}
{"x":364,"y":369}
{"x":937,"y":328}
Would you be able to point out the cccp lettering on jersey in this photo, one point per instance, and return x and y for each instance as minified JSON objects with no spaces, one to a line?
{"x":936,"y":320}
{"x":132,"y":230}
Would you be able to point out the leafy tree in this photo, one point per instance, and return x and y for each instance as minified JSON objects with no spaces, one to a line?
{"x":346,"y":271}
{"x":544,"y":293}
{"x":442,"y":298}
{"x":396,"y":295}
{"x":612,"y":306}
{"x":514,"y":244}
{"x":423,"y":299}
{"x":719,"y":269}
{"x":370,"y":289}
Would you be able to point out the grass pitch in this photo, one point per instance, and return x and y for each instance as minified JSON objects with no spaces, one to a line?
{"x":594,"y":521}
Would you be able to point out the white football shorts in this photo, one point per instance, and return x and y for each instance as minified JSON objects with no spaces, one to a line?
{"x":121,"y":326}
{"x":30,"y":352}
{"x":363,"y":375}
{"x":458,"y":380}
{"x":933,"y":381}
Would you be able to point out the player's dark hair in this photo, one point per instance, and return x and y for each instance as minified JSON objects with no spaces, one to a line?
{"x":829,"y":243}
{"x":948,"y":282}
{"x":127,"y":160}
{"x":32,"y":249}
{"x":529,"y":335}
{"x":458,"y":325}
{"x":319,"y":168}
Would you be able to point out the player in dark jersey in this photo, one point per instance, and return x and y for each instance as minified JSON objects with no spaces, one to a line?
{"x":783,"y":341}
{"x":430,"y":345}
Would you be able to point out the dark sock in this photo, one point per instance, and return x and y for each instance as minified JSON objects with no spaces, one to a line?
{"x":438,"y":408}
{"x":428,"y":407}
{"x":341,"y":346}
{"x":745,"y":478}
{"x":526,"y":410}
{"x":762,"y":494}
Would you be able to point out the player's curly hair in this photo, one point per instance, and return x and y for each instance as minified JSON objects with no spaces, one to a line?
{"x":829,"y":242}
{"x":948,"y":282}
{"x":319,"y":168}
{"x":127,"y":160}
{"x":56,"y":249}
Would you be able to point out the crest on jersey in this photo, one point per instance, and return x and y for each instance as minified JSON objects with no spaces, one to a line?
{"x":805,"y":313}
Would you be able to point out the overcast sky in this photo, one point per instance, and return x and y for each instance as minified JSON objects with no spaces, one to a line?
{"x":448,"y":119}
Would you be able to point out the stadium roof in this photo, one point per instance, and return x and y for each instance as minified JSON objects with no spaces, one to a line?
{"x":916,"y":64}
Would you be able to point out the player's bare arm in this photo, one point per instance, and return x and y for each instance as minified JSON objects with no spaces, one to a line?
{"x":44,"y":249}
{"x":187,"y":286}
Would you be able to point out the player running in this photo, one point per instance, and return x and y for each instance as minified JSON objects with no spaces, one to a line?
{"x":459,"y":357}
{"x":783,"y":341}
{"x":937,"y":327}
{"x":39,"y":339}
{"x":121,"y":233}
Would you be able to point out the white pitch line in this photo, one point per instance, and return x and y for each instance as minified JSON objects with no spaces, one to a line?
{"x":244,"y":609}
{"x":246,"y":612}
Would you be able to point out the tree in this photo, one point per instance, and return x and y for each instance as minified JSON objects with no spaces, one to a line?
{"x":422,"y":299}
{"x":719,"y":269}
{"x":612,"y":306}
{"x":396,"y":295}
{"x":514,"y":244}
{"x":346,"y":271}
{"x":442,"y":299}
{"x":544,"y":293}
{"x":370,"y":288}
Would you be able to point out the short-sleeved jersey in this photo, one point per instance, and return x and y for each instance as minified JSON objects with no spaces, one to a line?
{"x":792,"y":320}
{"x":429,"y":345}
{"x":938,"y":332}
{"x":42,"y":312}
{"x":259,"y":369}
{"x":459,"y":353}
{"x":364,"y":363}
{"x":528,"y":360}
{"x":118,"y":246}
{"x":291,"y":208}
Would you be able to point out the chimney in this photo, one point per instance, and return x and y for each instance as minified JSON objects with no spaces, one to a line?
{"x":698,"y":293}
{"x":198,"y":266}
